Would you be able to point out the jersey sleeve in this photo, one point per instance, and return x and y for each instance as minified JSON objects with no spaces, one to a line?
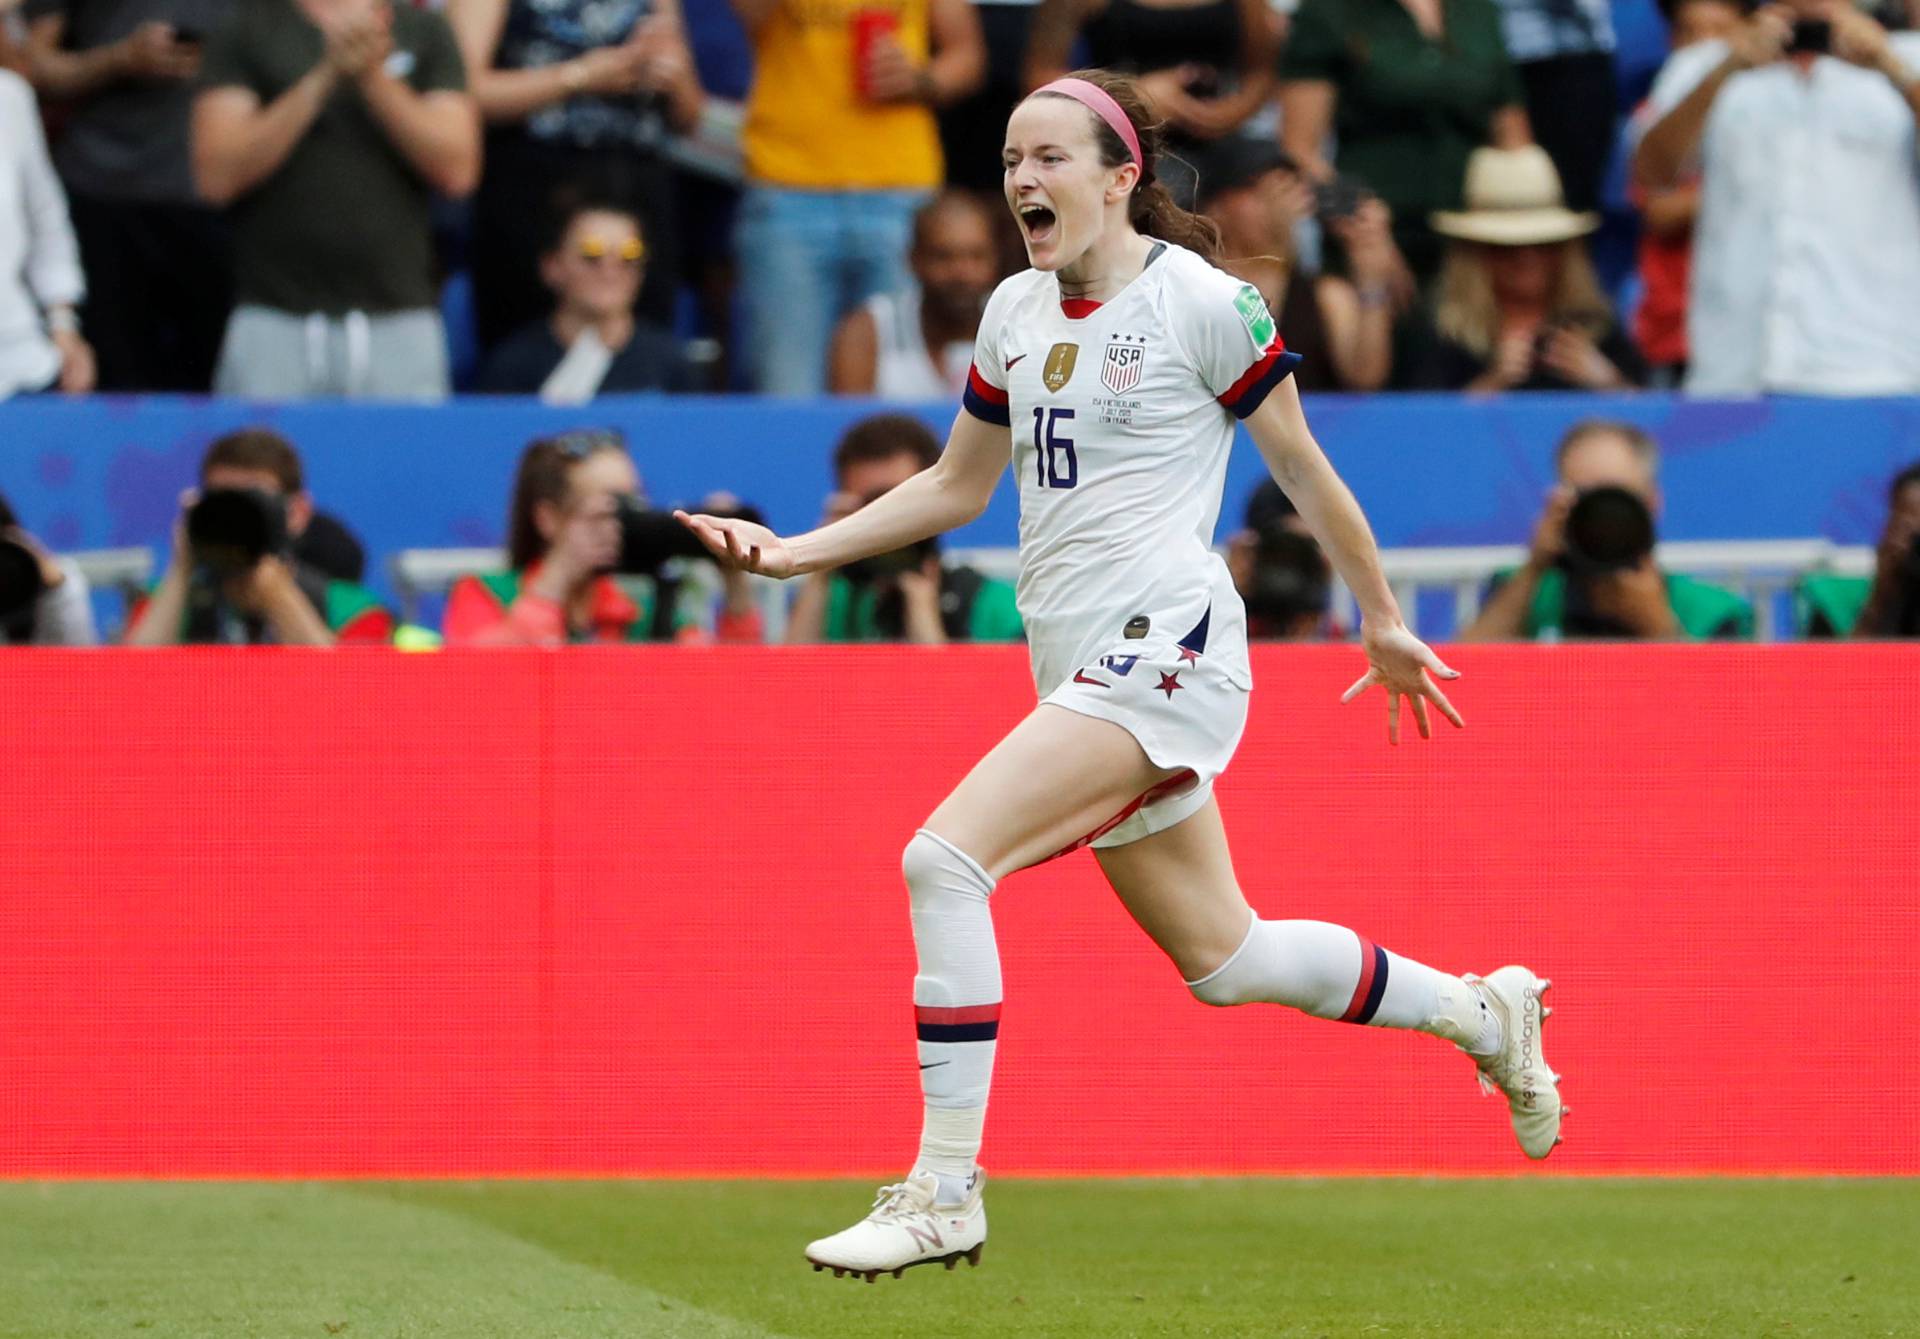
{"x":1231,"y":337}
{"x":439,"y":67}
{"x":986,"y":394}
{"x":226,"y":57}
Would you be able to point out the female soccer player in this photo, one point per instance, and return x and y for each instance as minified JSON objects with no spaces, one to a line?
{"x":1120,"y":361}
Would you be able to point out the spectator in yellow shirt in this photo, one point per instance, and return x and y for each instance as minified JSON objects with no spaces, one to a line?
{"x":841,"y":149}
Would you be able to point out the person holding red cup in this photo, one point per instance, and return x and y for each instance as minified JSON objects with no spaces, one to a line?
{"x":841,"y":149}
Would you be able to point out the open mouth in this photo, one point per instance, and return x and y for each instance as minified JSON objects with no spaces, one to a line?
{"x":1038,"y":221}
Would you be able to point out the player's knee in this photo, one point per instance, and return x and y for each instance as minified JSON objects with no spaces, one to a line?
{"x":1225,"y":978}
{"x":935,"y":868}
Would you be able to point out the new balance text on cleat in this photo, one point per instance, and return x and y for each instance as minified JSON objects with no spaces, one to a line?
{"x":1519,"y":1068}
{"x":906,"y":1228}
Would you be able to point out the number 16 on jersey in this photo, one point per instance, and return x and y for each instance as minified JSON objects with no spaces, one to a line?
{"x":1053,"y":459}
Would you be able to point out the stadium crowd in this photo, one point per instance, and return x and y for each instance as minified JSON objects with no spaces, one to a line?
{"x":570,"y":197}
{"x":360,"y":199}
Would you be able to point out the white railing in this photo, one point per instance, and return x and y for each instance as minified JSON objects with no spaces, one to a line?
{"x":1761,"y":570}
{"x":419,"y":573}
{"x":127,"y":569}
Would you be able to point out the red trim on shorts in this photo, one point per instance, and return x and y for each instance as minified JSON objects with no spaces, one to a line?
{"x":1359,"y":1001}
{"x":1179,"y":781}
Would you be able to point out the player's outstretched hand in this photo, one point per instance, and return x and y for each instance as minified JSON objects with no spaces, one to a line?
{"x":1398,"y":661}
{"x":741,"y":544}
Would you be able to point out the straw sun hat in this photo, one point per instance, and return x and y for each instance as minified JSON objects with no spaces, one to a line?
{"x":1514,"y":199}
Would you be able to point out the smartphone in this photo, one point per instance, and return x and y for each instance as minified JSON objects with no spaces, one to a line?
{"x":1339,"y":198}
{"x":1810,"y":36}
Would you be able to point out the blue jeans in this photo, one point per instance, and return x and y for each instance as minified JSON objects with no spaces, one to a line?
{"x":806,"y":259}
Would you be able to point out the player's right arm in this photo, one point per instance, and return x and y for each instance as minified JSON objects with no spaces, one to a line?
{"x":949,"y":493}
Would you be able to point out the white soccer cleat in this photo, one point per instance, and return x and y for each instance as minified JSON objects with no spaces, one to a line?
{"x":907,"y":1228}
{"x":1519,"y":1067}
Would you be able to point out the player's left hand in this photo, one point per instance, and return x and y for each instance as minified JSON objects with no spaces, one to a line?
{"x":1398,"y":661}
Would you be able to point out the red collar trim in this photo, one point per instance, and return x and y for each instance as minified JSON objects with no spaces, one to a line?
{"x":1078,"y":309}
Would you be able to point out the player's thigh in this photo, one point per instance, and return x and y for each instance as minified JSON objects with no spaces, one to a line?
{"x":1056,"y":777}
{"x":1178,"y":885}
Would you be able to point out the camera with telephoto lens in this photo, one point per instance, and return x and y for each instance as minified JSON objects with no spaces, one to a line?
{"x":1609,"y":529}
{"x":650,"y":539}
{"x":1907,"y":612}
{"x":885,"y":566}
{"x":21,"y":581}
{"x":229,"y":530}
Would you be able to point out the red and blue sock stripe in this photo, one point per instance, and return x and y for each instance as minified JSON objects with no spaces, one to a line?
{"x":973,"y":1022}
{"x":1371,"y":986}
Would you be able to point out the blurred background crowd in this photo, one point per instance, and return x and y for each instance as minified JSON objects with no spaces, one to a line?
{"x":356,"y":198}
{"x":366,"y":200}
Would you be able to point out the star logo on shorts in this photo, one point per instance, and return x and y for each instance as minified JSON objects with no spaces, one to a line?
{"x":1188,"y":656}
{"x":1168,"y":683}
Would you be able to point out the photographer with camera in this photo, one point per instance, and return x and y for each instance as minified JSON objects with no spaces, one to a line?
{"x":589,"y":561}
{"x":1281,"y":572}
{"x":235,"y":577}
{"x":1590,"y":570}
{"x":1806,"y":255}
{"x":1893,"y":605}
{"x":44,"y":600}
{"x":1887,"y":604}
{"x":907,"y":595}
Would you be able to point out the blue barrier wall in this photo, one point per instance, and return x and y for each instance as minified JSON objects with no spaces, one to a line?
{"x":1430,"y":470}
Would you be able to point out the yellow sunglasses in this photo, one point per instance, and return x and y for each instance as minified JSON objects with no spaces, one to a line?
{"x":598,"y":248}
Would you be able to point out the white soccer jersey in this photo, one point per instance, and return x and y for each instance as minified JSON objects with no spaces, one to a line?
{"x":1122,"y":415}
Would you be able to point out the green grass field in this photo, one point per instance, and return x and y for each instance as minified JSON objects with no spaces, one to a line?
{"x":557,"y":1260}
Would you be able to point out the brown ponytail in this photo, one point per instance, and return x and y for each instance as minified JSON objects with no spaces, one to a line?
{"x":1151,"y":209}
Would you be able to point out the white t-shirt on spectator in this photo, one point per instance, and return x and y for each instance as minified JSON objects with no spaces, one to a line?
{"x":903,"y":369}
{"x":39,"y":259}
{"x":1806,"y":255}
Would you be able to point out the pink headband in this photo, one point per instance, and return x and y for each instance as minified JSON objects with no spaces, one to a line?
{"x":1098,"y":101}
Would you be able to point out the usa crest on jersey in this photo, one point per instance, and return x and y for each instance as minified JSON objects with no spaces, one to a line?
{"x":1120,"y":369}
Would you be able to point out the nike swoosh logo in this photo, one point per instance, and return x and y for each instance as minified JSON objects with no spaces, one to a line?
{"x":1078,"y":677}
{"x":1016,"y":358}
{"x":935,"y":1065}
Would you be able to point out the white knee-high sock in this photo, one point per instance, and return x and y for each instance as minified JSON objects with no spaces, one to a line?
{"x":956,"y":1004}
{"x":1331,"y":972}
